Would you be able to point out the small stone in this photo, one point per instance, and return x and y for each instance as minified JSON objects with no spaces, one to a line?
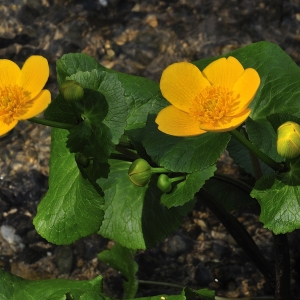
{"x":177,"y":245}
{"x":203,"y":275}
{"x":14,"y":240}
{"x":64,"y":259}
{"x":151,"y":20}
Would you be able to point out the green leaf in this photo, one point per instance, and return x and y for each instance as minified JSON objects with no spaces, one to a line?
{"x":205,"y":294}
{"x":122,"y":259}
{"x":72,"y":207}
{"x":165,"y":297}
{"x":231,"y":193}
{"x":72,"y":63}
{"x":180,"y":154}
{"x":15,"y":288}
{"x":92,"y":137}
{"x":184,"y":191}
{"x":143,"y":97}
{"x":60,"y":110}
{"x":279,"y":198}
{"x":109,"y":86}
{"x":134,"y":216}
{"x":104,"y":110}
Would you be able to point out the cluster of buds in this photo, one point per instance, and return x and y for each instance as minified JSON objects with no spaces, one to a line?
{"x":140,"y":173}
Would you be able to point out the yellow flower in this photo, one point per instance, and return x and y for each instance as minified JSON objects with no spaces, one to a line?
{"x":21,"y":91}
{"x":215,"y":99}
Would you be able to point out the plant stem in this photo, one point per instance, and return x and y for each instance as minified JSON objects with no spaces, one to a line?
{"x":51,"y":123}
{"x":173,"y":285}
{"x":282,"y":260}
{"x":132,"y":155}
{"x":262,"y":156}
{"x":239,"y":233}
{"x":254,"y":160}
{"x":159,"y":170}
{"x":123,"y":157}
{"x":174,"y":179}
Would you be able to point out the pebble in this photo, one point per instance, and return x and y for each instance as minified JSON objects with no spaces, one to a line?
{"x":14,"y":240}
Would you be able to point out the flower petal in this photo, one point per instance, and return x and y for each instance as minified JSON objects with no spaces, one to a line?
{"x":5,"y":128}
{"x":38,"y":105}
{"x":246,"y":87}
{"x":176,"y":122}
{"x":224,"y":72}
{"x":229,"y":123}
{"x":180,"y":83}
{"x":34,"y":75}
{"x":9,"y":72}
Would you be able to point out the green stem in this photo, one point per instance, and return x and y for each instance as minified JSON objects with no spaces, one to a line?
{"x":130,"y":153}
{"x":254,"y":160}
{"x":177,"y":178}
{"x":123,"y":157}
{"x":51,"y":123}
{"x":159,"y":170}
{"x":167,"y":284}
{"x":262,"y":156}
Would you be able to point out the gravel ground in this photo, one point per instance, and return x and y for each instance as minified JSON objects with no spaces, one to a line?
{"x":141,"y":38}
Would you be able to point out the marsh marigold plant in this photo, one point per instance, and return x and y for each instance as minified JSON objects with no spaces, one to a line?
{"x":21,"y":91}
{"x":215,"y":99}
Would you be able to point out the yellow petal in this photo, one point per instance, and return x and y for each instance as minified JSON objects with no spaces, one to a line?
{"x":38,"y":105}
{"x":246,"y":87}
{"x":224,"y":72}
{"x":34,"y":75}
{"x":229,"y":123}
{"x":9,"y":72}
{"x":5,"y":128}
{"x":180,"y":83}
{"x":176,"y":122}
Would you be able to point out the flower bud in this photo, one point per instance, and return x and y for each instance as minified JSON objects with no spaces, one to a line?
{"x":71,"y":90}
{"x":164,"y":183}
{"x":140,"y":172}
{"x":82,"y":160}
{"x":288,"y":140}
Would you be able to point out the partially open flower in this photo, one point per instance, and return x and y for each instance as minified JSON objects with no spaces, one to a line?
{"x":21,"y":91}
{"x":215,"y":99}
{"x":288,"y":140}
{"x":140,"y":172}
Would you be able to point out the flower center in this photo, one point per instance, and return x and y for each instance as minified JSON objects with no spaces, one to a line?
{"x":212,"y":104}
{"x":13,"y":100}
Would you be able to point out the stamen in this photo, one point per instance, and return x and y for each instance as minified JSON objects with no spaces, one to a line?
{"x":212,"y":105}
{"x":13,"y":100}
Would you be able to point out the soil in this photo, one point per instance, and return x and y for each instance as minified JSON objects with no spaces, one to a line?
{"x":139,"y":37}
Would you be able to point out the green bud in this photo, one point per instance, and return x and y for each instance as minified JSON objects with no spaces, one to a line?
{"x":140,"y":172}
{"x":288,"y":140}
{"x":71,"y":90}
{"x":82,"y":160}
{"x":164,"y":183}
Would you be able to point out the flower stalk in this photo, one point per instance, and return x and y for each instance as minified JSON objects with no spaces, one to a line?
{"x":262,"y":156}
{"x":51,"y":123}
